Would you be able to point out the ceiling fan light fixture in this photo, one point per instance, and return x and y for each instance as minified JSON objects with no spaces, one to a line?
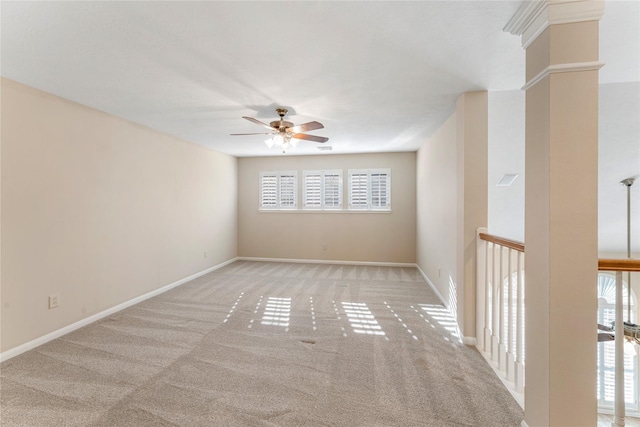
{"x":269,"y":142}
{"x":278,"y":140}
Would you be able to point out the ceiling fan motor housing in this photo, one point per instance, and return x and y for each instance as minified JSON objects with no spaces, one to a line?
{"x":281,"y":124}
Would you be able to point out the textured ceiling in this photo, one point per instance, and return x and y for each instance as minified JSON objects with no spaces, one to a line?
{"x":380,"y":76}
{"x":377,"y":74}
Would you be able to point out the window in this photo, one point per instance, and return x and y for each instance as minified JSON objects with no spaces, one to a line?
{"x":370,"y":189}
{"x":323,"y":189}
{"x":278,"y":190}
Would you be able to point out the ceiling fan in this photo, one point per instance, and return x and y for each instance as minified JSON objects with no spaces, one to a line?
{"x":284,"y":133}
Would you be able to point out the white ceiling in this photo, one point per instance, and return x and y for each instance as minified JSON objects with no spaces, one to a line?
{"x":376,"y":74}
{"x":379,"y":75}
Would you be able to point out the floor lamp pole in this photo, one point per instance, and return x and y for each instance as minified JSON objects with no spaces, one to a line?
{"x":628,"y":183}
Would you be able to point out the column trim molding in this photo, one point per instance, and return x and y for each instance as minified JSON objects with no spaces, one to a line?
{"x":562,"y":68}
{"x":532,"y":18}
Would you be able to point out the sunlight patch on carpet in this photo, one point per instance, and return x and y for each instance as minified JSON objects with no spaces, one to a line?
{"x":233,"y":308}
{"x":404,"y":325}
{"x":361,"y":319}
{"x":442,"y":317}
{"x":277,"y":312}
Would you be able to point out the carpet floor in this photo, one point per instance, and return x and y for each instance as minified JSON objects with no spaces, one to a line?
{"x":264,"y":344}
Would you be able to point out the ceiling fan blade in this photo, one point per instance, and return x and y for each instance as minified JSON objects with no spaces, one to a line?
{"x":258,"y":122}
{"x":310,"y":137}
{"x":259,"y":133}
{"x":305,"y":127}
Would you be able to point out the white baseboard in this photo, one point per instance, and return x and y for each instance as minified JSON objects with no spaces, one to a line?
{"x":6,"y":355}
{"x":328,"y":261}
{"x":465,"y":340}
{"x":517,"y":396}
{"x":433,"y":287}
{"x":469,"y":341}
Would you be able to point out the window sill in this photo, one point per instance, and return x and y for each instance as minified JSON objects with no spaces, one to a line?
{"x":325,"y":211}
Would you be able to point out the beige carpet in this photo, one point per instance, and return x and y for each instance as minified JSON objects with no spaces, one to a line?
{"x":264,"y":344}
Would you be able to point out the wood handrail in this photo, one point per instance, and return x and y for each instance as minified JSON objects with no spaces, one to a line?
{"x":619,"y":264}
{"x":512,"y":244}
{"x":603,"y":264}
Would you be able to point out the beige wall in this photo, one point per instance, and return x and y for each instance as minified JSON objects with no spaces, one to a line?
{"x":437,"y":209}
{"x":472,"y":148}
{"x":100,"y":210}
{"x":367,"y":237}
{"x":452,"y":203}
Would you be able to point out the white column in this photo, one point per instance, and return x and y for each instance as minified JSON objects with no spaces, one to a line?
{"x":561,"y":41}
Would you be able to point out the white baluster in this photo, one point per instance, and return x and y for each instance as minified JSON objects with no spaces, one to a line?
{"x":481,"y":280}
{"x":618,"y":417}
{"x":503,"y":333}
{"x":509,"y":336}
{"x":487,"y":302}
{"x":495,"y":305}
{"x":519,"y":374}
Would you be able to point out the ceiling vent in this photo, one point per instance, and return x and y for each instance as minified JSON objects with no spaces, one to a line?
{"x":506,"y":180}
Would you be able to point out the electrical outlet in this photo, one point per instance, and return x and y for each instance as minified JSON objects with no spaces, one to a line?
{"x":54,"y":301}
{"x":324,"y":246}
{"x":206,"y":254}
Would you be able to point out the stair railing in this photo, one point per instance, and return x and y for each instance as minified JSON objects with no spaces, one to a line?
{"x":500,"y":309}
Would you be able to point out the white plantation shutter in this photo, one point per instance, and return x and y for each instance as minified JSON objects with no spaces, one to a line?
{"x":358,"y":190}
{"x":288,"y":190}
{"x":323,"y":189}
{"x":312,"y":190}
{"x":268,"y":191}
{"x":370,"y":189}
{"x":278,"y":190}
{"x":379,"y":189}
{"x":332,"y":190}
